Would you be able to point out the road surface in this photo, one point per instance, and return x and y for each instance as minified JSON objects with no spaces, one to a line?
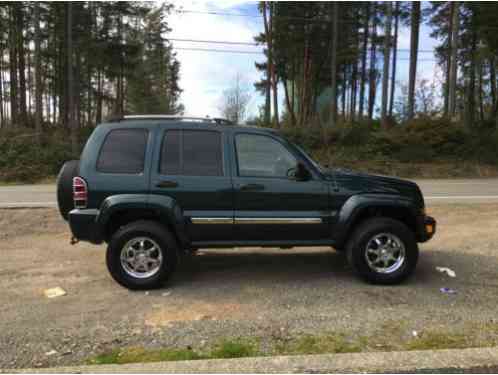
{"x":451,"y":191}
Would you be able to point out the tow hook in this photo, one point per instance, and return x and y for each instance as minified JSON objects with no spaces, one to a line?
{"x":74,"y":240}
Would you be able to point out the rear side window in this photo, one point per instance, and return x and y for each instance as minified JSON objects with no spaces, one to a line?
{"x":123,"y":151}
{"x":191,"y":153}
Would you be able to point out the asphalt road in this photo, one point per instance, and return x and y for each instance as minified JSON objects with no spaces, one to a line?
{"x":450,"y":190}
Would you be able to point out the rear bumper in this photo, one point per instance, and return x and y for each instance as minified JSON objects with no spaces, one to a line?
{"x":426,"y":228}
{"x":83,"y":224}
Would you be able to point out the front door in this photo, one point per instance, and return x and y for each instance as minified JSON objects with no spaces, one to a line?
{"x":193,"y":170}
{"x":269,"y":205}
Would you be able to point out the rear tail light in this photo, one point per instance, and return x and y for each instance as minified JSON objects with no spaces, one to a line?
{"x":80,"y":192}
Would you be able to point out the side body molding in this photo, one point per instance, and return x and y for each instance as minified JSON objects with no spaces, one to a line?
{"x":356,"y":204}
{"x":164,"y":207}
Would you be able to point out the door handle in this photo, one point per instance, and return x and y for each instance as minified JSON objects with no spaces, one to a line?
{"x":167,"y":184}
{"x":252,"y":187}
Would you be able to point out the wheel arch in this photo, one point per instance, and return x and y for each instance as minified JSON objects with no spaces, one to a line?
{"x":359,"y":208}
{"x":119,"y":210}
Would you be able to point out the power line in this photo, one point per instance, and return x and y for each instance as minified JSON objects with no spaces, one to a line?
{"x":258,"y":53}
{"x":213,"y":41}
{"x":256,"y":44}
{"x":218,"y":50}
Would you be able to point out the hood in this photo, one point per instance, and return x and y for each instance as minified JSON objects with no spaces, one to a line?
{"x":358,"y":182}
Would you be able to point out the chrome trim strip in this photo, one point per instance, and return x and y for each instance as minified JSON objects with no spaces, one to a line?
{"x":211,"y":220}
{"x":278,"y":220}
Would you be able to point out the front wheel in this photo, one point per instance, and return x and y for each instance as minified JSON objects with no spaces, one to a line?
{"x":383,"y":251}
{"x":141,"y":255}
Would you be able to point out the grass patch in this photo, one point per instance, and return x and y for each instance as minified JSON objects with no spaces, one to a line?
{"x":391,"y":336}
{"x":134,"y":355}
{"x":438,"y":340}
{"x":330,"y":343}
{"x":234,"y":349}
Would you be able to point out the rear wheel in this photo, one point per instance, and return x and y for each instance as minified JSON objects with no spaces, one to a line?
{"x":383,"y":251}
{"x":142,"y":255}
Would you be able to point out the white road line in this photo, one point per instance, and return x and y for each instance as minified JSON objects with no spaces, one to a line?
{"x":462,"y":197}
{"x":27,"y":204}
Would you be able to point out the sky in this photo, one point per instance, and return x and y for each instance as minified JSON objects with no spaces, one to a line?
{"x":205,"y":75}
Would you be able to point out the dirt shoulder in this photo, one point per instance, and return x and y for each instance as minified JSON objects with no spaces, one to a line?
{"x":266,"y":295}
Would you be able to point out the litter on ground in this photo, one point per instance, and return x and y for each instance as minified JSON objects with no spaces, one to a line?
{"x":54,"y":292}
{"x":447,"y":271}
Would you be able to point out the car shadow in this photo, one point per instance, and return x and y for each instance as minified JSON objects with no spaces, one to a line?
{"x":266,"y":266}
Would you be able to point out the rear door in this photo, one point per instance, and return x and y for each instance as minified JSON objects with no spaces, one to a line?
{"x":190,"y":166}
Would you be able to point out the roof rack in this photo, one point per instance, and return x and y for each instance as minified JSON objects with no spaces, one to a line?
{"x":215,"y":120}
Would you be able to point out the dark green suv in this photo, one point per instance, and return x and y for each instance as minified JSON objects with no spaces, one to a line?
{"x":156,"y":187}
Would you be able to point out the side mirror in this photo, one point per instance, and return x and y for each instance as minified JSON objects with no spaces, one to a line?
{"x":299,"y":173}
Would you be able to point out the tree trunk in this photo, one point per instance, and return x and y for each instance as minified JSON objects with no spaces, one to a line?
{"x":395,"y":57}
{"x":364,"y":60}
{"x":414,"y":36}
{"x":2,"y":114}
{"x":70,"y":83}
{"x":448,"y":63}
{"x":14,"y":101}
{"x":288,"y":103}
{"x":272,"y":64}
{"x":480,"y":93}
{"x":454,"y":49}
{"x":385,"y":76}
{"x":333,"y":65}
{"x":22,"y":64}
{"x":98,"y":115}
{"x":471,"y":84}
{"x":38,"y":80}
{"x":492,"y":83}
{"x":372,"y":85}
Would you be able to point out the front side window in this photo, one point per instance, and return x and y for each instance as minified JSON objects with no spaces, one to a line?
{"x":262,"y":156}
{"x":123,"y":151}
{"x":191,"y":153}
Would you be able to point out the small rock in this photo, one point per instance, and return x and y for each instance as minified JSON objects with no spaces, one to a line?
{"x":414,"y":333}
{"x":146,"y":293}
{"x":166,"y":294}
{"x":50,"y":353}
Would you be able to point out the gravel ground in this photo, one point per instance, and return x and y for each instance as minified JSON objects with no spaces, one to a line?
{"x":265,"y":293}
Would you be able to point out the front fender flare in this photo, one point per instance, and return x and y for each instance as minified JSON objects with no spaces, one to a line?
{"x":356,"y":204}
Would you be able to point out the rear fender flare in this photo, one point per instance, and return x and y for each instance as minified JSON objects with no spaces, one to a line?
{"x":165,"y":208}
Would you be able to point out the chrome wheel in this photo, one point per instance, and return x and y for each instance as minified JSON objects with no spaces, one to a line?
{"x":141,"y":257}
{"x":385,"y":253}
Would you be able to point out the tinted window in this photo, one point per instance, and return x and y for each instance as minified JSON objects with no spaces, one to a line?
{"x":170,"y":154}
{"x":191,"y":153}
{"x":123,"y":151}
{"x":262,"y":156}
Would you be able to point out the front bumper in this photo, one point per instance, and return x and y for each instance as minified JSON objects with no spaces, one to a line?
{"x":83,"y":224}
{"x":426,"y":228}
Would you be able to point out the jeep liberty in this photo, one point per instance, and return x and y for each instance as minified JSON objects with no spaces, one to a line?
{"x":155,"y":187}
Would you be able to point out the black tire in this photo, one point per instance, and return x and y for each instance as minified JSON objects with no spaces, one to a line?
{"x":65,"y":201}
{"x":357,"y":248}
{"x":150,"y":229}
